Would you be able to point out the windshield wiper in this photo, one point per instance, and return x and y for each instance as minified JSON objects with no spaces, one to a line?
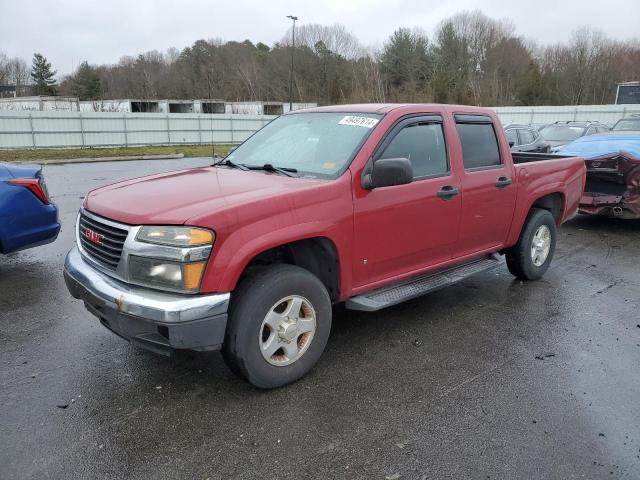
{"x":229,"y":163}
{"x":267,"y":167}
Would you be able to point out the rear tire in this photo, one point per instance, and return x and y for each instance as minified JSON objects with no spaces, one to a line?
{"x":278,"y":326}
{"x":530,"y":258}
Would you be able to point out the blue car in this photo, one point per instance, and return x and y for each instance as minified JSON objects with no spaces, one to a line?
{"x":27,"y":217}
{"x":604,"y":144}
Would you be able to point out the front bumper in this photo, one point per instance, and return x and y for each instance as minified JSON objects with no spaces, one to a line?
{"x":151,"y":319}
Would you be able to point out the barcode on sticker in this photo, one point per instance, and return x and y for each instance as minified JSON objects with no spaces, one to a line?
{"x":366,"y":122}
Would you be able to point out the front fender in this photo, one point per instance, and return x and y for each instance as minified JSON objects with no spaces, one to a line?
{"x":228,"y":263}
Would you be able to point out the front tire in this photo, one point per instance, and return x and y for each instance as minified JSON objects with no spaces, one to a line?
{"x":530,"y":258}
{"x":278,"y":326}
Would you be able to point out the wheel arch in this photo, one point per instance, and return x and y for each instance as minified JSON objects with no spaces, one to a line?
{"x":318,"y":255}
{"x":552,"y":202}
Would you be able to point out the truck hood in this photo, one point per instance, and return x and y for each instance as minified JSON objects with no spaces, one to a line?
{"x":173,"y":198}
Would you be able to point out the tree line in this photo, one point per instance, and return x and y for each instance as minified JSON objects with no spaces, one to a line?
{"x":469,"y":59}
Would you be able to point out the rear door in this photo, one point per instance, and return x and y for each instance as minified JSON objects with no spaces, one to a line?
{"x":404,"y":228}
{"x":488,"y":187}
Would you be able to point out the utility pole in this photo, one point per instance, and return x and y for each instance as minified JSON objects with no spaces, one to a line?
{"x":293,"y":49}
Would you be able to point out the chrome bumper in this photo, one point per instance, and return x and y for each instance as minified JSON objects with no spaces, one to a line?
{"x":155,"y":320}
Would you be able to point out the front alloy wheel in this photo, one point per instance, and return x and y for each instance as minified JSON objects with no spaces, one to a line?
{"x":287,"y":330}
{"x":279,"y":323}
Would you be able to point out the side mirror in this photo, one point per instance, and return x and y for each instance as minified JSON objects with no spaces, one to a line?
{"x":387,"y":172}
{"x":511,"y":143}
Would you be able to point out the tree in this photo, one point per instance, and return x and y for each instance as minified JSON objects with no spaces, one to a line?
{"x":405,"y":63}
{"x":85,"y":84}
{"x":42,"y":76}
{"x":470,"y":59}
{"x":452,"y":65}
{"x":530,"y":90}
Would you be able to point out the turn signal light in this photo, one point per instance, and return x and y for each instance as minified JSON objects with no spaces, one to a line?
{"x":192,"y":274}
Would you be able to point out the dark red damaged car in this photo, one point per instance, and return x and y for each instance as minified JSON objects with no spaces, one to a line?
{"x":613,"y":173}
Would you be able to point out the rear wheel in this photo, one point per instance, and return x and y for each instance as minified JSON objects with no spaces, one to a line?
{"x":530,"y":258}
{"x":279,"y":324}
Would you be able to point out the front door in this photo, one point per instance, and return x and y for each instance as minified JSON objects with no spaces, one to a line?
{"x":404,"y":228}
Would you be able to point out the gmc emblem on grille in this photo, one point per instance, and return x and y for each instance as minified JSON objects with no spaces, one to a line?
{"x":93,"y":237}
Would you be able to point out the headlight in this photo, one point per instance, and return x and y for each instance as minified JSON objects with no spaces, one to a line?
{"x":166,"y":274}
{"x":176,"y":236}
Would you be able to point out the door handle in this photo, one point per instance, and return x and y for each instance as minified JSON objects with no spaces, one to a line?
{"x":503,"y":182}
{"x":448,"y":192}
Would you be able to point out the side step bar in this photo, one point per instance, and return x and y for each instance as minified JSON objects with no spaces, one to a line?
{"x":417,"y":286}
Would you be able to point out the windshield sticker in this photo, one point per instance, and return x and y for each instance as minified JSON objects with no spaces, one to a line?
{"x":329,"y":165}
{"x":366,"y":122}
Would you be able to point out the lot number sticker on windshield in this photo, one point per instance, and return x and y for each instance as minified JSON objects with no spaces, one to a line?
{"x":366,"y":122}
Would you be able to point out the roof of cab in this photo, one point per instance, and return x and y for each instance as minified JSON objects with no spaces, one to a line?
{"x":387,"y":107}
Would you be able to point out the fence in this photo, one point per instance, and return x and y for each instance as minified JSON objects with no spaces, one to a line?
{"x":607,"y":114}
{"x":79,"y":129}
{"x":21,"y":129}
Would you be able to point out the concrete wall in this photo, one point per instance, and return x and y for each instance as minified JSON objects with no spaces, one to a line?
{"x":194,"y":106}
{"x":34,"y":104}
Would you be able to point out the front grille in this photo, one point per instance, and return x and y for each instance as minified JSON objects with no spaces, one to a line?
{"x":108,"y":249}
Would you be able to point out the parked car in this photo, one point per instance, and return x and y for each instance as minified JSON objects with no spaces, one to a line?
{"x":523,"y":138}
{"x":27,"y":216}
{"x":631,"y":123}
{"x":369,"y":205}
{"x":538,"y":126}
{"x":561,"y":133}
{"x":613,"y":173}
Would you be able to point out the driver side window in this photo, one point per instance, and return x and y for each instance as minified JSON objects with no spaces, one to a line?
{"x":423,"y":145}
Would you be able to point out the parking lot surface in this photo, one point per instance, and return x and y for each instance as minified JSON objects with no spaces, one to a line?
{"x":492,"y":378}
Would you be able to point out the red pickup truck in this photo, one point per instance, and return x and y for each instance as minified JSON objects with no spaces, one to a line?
{"x":369,"y":205}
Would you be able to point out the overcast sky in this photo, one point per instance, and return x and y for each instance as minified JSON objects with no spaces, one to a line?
{"x":66,"y":31}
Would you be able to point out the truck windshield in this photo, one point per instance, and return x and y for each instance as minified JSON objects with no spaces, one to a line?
{"x":316,"y":144}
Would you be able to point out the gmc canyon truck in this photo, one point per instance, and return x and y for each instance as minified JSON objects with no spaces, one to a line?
{"x":369,"y":205}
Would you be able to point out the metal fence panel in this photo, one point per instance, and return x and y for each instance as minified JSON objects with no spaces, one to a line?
{"x":22,"y":129}
{"x":607,"y":114}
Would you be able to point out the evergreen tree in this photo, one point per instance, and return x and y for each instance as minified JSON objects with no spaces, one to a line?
{"x":452,"y":67}
{"x":405,"y":61}
{"x":85,"y":84}
{"x":531,"y":88}
{"x":42,"y":76}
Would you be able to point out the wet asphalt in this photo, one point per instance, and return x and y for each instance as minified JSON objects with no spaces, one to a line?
{"x":491,"y":378}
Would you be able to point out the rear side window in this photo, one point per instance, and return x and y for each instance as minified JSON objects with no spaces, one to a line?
{"x":512,"y":136}
{"x":526,"y":136}
{"x":479,"y":145}
{"x":423,"y":144}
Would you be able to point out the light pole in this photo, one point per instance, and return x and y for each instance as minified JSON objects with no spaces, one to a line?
{"x":293,"y":49}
